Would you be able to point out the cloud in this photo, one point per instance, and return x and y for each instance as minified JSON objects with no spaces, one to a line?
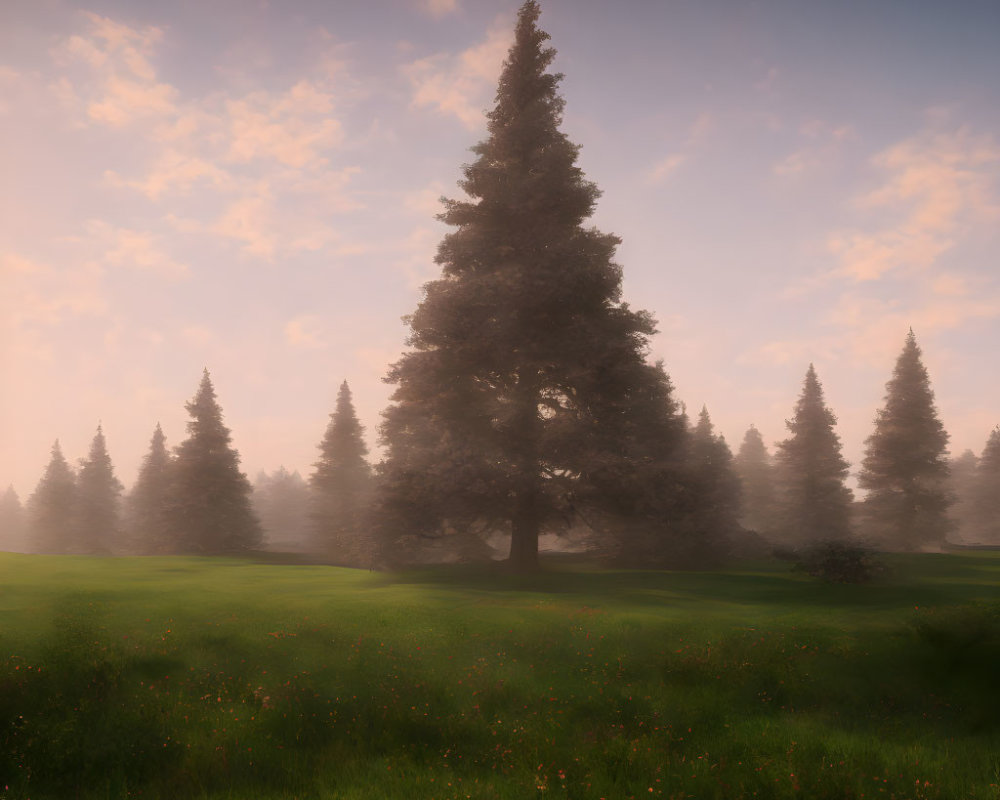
{"x":37,"y":294}
{"x":138,"y":250}
{"x":12,"y":264}
{"x":265,"y":228}
{"x":174,"y":171}
{"x":126,"y":100}
{"x":823,"y":144}
{"x":292,"y":128}
{"x":938,"y":187}
{"x":249,"y":220}
{"x":666,"y":167}
{"x":426,"y":202}
{"x":251,"y":169}
{"x":869,"y":330}
{"x":221,"y":142}
{"x":697,"y":133}
{"x":305,"y":331}
{"x":124,"y":88}
{"x":461,"y":85}
{"x":439,"y":8}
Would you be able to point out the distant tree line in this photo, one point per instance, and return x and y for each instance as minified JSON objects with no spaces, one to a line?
{"x":526,"y":404}
{"x":195,"y":500}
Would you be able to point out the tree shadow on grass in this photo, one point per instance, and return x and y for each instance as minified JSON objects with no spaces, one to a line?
{"x":921,"y":580}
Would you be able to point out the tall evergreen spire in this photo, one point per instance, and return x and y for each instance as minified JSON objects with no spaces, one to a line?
{"x":526,"y":395}
{"x":814,"y":500}
{"x":209,"y":509}
{"x":905,"y":469}
{"x":754,"y":467}
{"x":52,"y":507}
{"x":97,"y":520}
{"x":146,"y":506}
{"x":340,"y":487}
{"x":11,"y":521}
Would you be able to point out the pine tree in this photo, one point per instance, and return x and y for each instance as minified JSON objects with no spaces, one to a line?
{"x":98,"y":527}
{"x":755,"y":470}
{"x":146,"y":505}
{"x":209,"y":509}
{"x":963,"y":473}
{"x":11,"y":522}
{"x":715,"y":483}
{"x":814,"y":502}
{"x":986,"y":500}
{"x":905,"y":469}
{"x":281,"y":501}
{"x":52,"y":507}
{"x":341,"y":486}
{"x":526,"y":395}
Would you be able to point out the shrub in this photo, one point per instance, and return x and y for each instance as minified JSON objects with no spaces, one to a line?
{"x":839,"y":562}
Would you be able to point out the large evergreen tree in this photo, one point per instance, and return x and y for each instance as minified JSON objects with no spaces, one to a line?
{"x":526,"y":395}
{"x":52,"y":507}
{"x":341,"y":486}
{"x":963,"y":474}
{"x":814,"y":502}
{"x":905,"y":469}
{"x":97,"y":523}
{"x":755,"y":470}
{"x":209,"y":509}
{"x":986,"y":500}
{"x":281,"y":501}
{"x":11,"y":521}
{"x":146,"y":506}
{"x":716,"y":484}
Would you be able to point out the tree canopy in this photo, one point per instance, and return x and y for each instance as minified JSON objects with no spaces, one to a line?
{"x":905,"y":469}
{"x":986,"y":496}
{"x":814,"y":501}
{"x":341,"y":486}
{"x":11,"y":521}
{"x":526,"y":396}
{"x":52,"y":506}
{"x":209,"y":509}
{"x":754,"y":468}
{"x":97,"y":520}
{"x":146,"y":505}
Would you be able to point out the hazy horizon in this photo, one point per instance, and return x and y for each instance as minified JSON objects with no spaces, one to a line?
{"x":253,"y":190}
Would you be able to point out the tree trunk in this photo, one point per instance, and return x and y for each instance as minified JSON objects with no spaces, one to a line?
{"x":524,"y":535}
{"x":526,"y":519}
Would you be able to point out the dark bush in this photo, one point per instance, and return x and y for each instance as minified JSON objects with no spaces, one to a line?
{"x":839,"y":562}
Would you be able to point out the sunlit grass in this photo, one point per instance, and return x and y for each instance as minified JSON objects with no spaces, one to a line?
{"x":232,"y":679}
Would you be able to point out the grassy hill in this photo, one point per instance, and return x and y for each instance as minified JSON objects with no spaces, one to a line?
{"x":185,"y":677}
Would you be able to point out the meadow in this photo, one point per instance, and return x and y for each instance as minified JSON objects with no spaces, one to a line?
{"x":212,"y":678}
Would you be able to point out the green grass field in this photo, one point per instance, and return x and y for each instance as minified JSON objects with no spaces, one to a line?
{"x":197,"y":678}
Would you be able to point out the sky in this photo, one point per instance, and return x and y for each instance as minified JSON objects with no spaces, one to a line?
{"x":252,"y":188}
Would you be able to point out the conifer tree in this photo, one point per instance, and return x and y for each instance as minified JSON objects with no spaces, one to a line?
{"x":526,"y":396}
{"x":986,"y":501}
{"x":147,"y":502}
{"x":814,"y":502}
{"x":755,"y":471}
{"x":963,"y":473}
{"x":281,"y":501}
{"x":341,"y":486}
{"x":52,"y":507}
{"x":209,"y":510}
{"x":715,"y":483}
{"x":98,"y":526}
{"x":11,"y":521}
{"x":905,"y":469}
